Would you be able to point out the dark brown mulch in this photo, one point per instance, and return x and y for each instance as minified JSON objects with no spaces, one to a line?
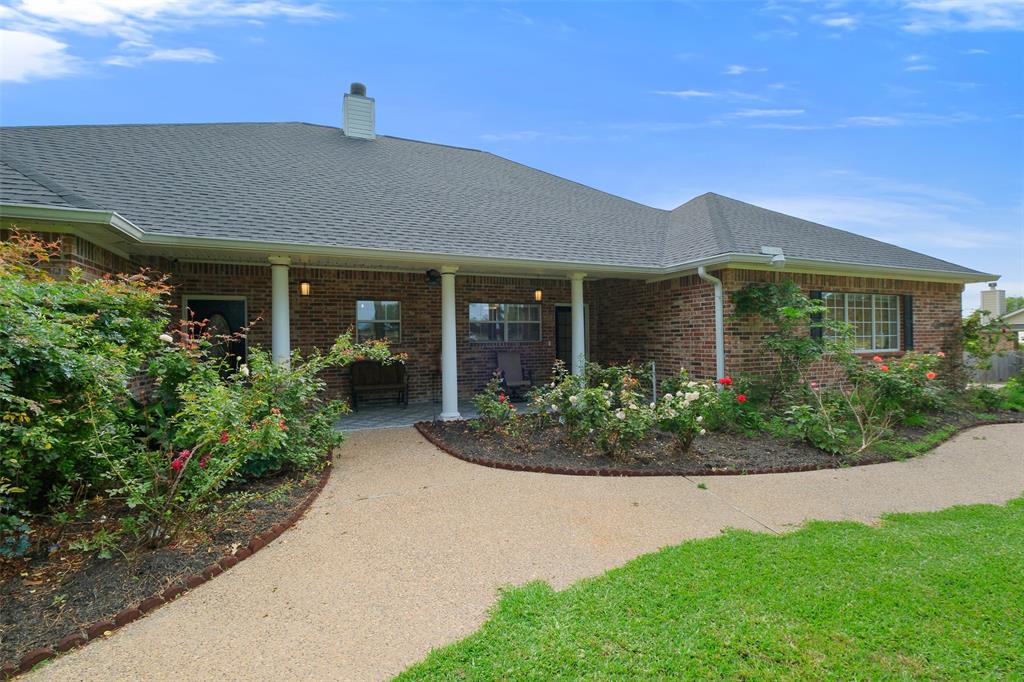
{"x":56,"y":590}
{"x":547,"y":449}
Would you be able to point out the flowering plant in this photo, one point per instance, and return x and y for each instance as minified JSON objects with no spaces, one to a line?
{"x":494,"y":406}
{"x":683,"y":412}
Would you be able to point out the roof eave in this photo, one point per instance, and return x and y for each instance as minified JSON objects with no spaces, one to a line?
{"x":742,"y":260}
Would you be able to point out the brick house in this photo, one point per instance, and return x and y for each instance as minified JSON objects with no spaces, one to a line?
{"x":453,"y":253}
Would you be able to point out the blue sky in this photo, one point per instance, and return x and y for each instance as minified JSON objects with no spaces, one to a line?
{"x":900,"y":120}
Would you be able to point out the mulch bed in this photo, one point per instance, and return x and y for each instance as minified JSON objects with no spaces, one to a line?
{"x":57,"y":593}
{"x":545,"y":449}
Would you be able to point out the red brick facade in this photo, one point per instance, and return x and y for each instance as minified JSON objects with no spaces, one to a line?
{"x":670,"y":322}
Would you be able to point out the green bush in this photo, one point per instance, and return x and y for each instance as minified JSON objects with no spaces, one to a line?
{"x":682,"y":412}
{"x":494,"y":406}
{"x":68,"y":352}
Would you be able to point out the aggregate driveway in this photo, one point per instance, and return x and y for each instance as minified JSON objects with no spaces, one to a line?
{"x":406,"y":549}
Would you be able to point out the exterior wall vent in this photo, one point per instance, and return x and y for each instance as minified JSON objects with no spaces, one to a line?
{"x":358,"y":113}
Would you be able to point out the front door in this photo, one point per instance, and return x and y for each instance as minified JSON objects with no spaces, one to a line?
{"x":223,"y":318}
{"x":563,"y":333}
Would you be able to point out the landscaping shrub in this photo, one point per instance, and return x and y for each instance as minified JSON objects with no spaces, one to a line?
{"x":494,"y":406}
{"x":607,"y":406}
{"x":683,"y":410}
{"x":71,"y":427}
{"x":68,"y":351}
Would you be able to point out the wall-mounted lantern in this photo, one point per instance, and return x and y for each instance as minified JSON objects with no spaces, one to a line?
{"x":305,"y":288}
{"x":538,"y":295}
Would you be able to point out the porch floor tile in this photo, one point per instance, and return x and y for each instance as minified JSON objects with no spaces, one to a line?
{"x":393,"y":416}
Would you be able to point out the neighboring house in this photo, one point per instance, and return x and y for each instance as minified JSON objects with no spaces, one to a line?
{"x":454,"y":253}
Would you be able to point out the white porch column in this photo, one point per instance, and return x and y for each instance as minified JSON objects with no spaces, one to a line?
{"x":579,"y":348}
{"x":280,"y":317}
{"x":449,"y":339}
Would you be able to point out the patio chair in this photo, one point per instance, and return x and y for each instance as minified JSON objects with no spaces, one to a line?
{"x":517,"y":382}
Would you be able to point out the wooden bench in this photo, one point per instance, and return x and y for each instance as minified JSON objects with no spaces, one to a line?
{"x":370,"y":376}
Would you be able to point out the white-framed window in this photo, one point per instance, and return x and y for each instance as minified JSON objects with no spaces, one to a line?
{"x":502,"y":322}
{"x":379,"y":320}
{"x":873,"y":318}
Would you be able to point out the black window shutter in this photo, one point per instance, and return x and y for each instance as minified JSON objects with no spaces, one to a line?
{"x":908,"y":322}
{"x":816,"y":330}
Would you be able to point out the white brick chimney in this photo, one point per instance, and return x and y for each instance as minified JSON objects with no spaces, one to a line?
{"x":993,"y":303}
{"x":358,"y":113}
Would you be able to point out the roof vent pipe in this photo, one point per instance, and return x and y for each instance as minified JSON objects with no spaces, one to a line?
{"x":358,"y":113}
{"x":719,"y":321}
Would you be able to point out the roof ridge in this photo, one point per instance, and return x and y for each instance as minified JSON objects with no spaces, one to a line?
{"x":158,"y":125}
{"x":47,"y":183}
{"x":728,"y":241}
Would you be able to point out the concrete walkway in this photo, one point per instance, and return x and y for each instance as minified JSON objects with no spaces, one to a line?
{"x":406,"y":548}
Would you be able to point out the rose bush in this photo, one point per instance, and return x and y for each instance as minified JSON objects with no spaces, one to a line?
{"x":682,"y":411}
{"x":494,"y":406}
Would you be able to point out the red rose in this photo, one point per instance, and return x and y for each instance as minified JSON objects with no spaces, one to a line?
{"x":931,"y":375}
{"x":741,"y":398}
{"x":725,"y":381}
{"x":203,"y":460}
{"x":877,"y":358}
{"x":501,"y":398}
{"x":177,"y":464}
{"x":223,"y":437}
{"x":884,"y":368}
{"x":282,"y":425}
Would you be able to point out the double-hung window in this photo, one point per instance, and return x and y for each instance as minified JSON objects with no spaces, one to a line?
{"x":379,"y":320}
{"x":873,"y":318}
{"x":503,"y":322}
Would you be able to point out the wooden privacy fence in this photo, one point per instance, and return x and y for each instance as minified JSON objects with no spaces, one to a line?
{"x":1002,"y":366}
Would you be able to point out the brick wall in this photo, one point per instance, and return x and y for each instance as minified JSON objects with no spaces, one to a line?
{"x":671,"y":322}
{"x":94,"y":261}
{"x":936,"y":313}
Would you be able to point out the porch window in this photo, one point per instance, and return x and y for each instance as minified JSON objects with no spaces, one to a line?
{"x":379,"y":320}
{"x":874,"y":318}
{"x":503,"y":322}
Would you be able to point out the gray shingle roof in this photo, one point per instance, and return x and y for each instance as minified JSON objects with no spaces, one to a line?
{"x":296,"y":182}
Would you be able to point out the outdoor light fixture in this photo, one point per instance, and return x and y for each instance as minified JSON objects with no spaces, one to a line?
{"x":538,"y":295}
{"x":433,"y":276}
{"x":304,"y":288}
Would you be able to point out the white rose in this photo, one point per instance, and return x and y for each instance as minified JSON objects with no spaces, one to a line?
{"x":554,"y":408}
{"x":620,"y":414}
{"x":573,"y":399}
{"x":691,"y":384}
{"x":653,"y":404}
{"x":167,"y":338}
{"x":690,"y":397}
{"x":703,"y":431}
{"x":244,"y":370}
{"x":669,"y":396}
{"x":700,"y":418}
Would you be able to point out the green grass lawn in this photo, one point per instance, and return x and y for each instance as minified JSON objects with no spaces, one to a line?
{"x":922,"y":596}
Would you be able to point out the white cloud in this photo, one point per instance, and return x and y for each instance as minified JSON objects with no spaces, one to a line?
{"x":919,"y":67}
{"x":685,"y":94}
{"x":928,"y":16}
{"x":909,"y":119}
{"x":26,"y":56}
{"x":844,"y":21}
{"x":182,"y":54}
{"x":739,"y":70}
{"x":976,"y":50}
{"x":134,"y":22}
{"x":766,"y":113}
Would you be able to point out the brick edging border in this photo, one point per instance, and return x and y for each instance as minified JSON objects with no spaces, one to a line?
{"x":102,"y":628}
{"x":424,"y":430}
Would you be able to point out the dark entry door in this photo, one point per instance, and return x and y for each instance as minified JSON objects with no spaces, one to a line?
{"x":563,"y":334}
{"x":223,"y":318}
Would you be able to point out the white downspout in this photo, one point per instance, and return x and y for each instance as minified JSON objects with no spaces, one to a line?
{"x":719,"y":321}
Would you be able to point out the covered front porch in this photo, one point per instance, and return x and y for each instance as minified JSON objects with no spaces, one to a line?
{"x":450,"y":322}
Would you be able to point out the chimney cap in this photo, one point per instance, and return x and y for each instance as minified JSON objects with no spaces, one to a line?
{"x":358,"y":89}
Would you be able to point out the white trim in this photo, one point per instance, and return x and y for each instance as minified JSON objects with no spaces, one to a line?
{"x":732,"y":259}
